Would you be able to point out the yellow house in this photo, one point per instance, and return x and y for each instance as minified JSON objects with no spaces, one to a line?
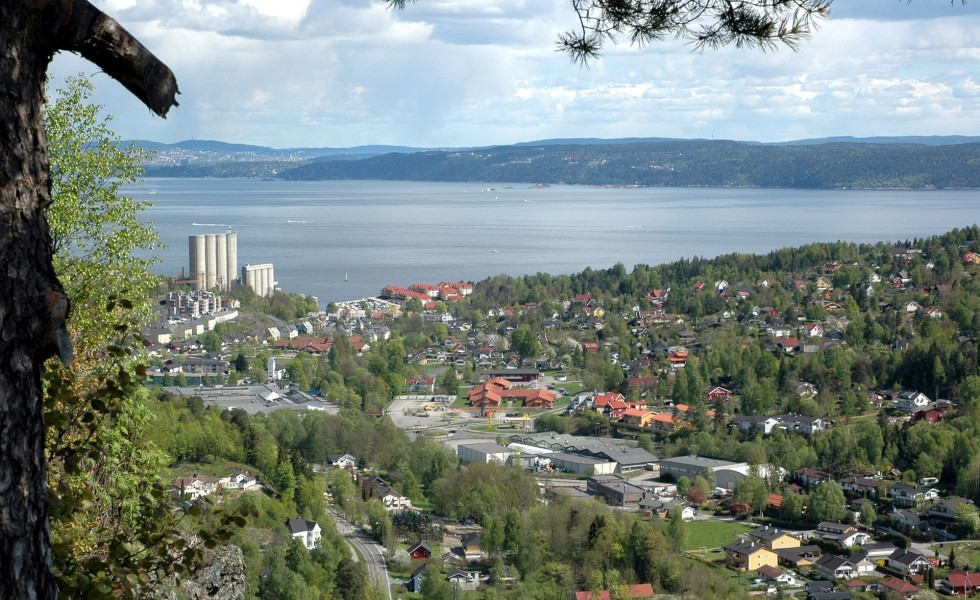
{"x":773,"y":538}
{"x":745,"y":555}
{"x":638,"y":417}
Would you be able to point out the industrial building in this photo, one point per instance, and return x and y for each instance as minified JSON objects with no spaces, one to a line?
{"x":625,"y":457}
{"x":213,"y":260}
{"x":260,"y":278}
{"x":483,"y":453}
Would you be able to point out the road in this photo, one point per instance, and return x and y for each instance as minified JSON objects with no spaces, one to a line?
{"x":366,"y":548}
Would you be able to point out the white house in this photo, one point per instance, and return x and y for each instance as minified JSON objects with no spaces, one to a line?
{"x":238,"y":481}
{"x":342,"y":461}
{"x":908,"y":561}
{"x":909,"y":401}
{"x":835,"y":567}
{"x":196,"y":486}
{"x":770,"y":574}
{"x":307,"y":532}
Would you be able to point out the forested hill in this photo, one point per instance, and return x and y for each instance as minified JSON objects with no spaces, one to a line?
{"x":676,"y":163}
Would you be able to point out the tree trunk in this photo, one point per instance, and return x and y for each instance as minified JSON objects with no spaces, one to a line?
{"x":33,"y":306}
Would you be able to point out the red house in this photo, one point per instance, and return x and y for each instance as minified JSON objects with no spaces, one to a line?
{"x":716,"y":392}
{"x":960,"y":583}
{"x":420,"y":551}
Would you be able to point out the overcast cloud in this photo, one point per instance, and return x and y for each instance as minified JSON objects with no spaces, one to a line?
{"x":291,"y":73}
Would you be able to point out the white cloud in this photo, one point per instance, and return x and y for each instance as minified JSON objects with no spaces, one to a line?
{"x":480,"y":72}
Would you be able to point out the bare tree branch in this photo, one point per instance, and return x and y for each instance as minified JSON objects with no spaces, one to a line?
{"x":99,"y":38}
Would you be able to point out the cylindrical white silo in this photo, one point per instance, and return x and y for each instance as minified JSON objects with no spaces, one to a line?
{"x":263,"y":282}
{"x":197,"y":261}
{"x":221,"y":260}
{"x":210,"y":260}
{"x":232,"y":258}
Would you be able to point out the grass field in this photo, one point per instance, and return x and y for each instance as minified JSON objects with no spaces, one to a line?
{"x":712,"y":534}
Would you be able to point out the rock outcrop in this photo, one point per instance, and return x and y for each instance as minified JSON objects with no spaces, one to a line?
{"x":220,"y":577}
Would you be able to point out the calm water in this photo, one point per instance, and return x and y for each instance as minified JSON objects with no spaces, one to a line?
{"x":378,"y":233}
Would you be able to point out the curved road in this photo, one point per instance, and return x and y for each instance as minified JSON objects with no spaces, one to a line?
{"x":366,"y":548}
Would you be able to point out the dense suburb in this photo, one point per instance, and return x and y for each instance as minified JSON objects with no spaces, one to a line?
{"x":830,"y":331}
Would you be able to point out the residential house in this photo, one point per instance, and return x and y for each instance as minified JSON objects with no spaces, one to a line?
{"x":636,"y":592}
{"x":716,"y":392}
{"x":909,"y":519}
{"x":307,"y":532}
{"x":745,"y":555}
{"x":195,"y":486}
{"x":960,"y":583}
{"x":894,"y":585}
{"x":237,"y":481}
{"x":761,"y":423}
{"x":801,"y":558}
{"x":341,"y":461}
{"x":776,"y":576}
{"x":804,"y":388}
{"x":662,"y":422}
{"x":464,"y":580}
{"x":813,"y":330}
{"x":611,"y":404}
{"x":637,"y":417}
{"x":944,"y":511}
{"x":379,"y":488}
{"x":905,"y":495}
{"x":909,"y":401}
{"x":414,"y":583}
{"x":800,"y":423}
{"x":809,"y":478}
{"x":908,"y":562}
{"x":420,"y":385}
{"x":929,"y":415}
{"x":845,"y":535}
{"x":862,"y":564}
{"x":421,"y":550}
{"x":911,"y":306}
{"x":472,"y":545}
{"x":862,"y":486}
{"x":773,"y":538}
{"x":835,"y":567}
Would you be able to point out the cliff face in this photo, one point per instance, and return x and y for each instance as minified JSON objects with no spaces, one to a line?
{"x":221,"y":577}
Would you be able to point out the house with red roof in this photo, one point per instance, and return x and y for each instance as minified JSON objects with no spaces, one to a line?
{"x":662,"y":422}
{"x":677,"y":359}
{"x":716,"y":392}
{"x":490,"y":394}
{"x":790,"y":344}
{"x":637,"y":417}
{"x":431,"y":291}
{"x":611,"y":404}
{"x":420,"y":385}
{"x":960,"y":583}
{"x":636,"y":592}
{"x":898,"y":586}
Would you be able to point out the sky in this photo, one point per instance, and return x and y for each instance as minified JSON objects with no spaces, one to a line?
{"x":455,"y":73}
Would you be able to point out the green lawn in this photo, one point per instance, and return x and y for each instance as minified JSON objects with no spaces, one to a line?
{"x":712,"y":534}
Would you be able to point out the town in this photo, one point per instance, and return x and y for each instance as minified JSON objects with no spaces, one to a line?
{"x":800,"y":423}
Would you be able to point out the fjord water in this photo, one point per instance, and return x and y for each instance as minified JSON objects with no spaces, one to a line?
{"x":375,"y":233}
